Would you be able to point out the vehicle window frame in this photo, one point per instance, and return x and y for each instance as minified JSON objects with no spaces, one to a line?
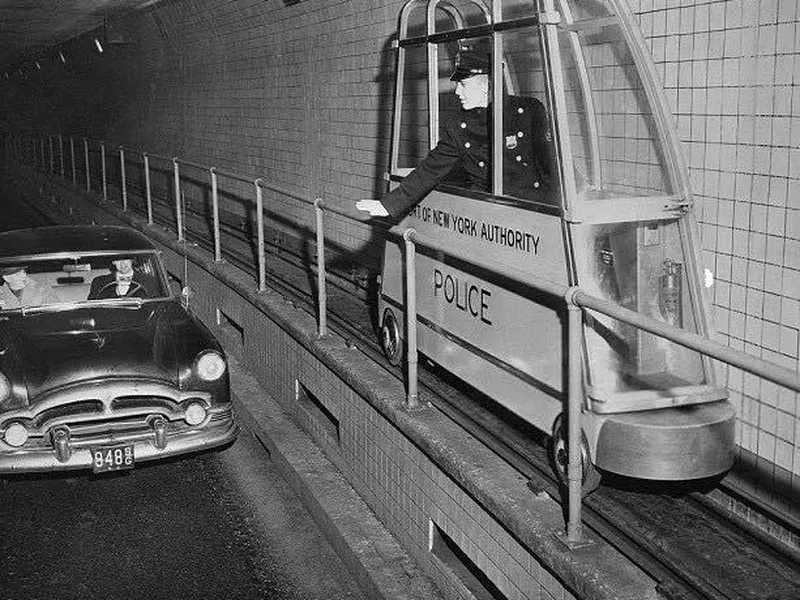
{"x":493,"y":32}
{"x":154,"y":256}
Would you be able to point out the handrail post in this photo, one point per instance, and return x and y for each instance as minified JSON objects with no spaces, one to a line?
{"x":178,"y":207}
{"x":322,"y":292}
{"x":61,"y":153}
{"x":103,"y":168}
{"x":262,"y":275}
{"x":72,"y":160}
{"x":86,"y":164}
{"x":574,"y":402}
{"x":148,"y":194}
{"x":412,"y":394}
{"x":215,"y":214}
{"x":123,"y":184}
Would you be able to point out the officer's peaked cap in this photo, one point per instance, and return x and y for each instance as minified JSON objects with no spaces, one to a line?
{"x":471,"y":62}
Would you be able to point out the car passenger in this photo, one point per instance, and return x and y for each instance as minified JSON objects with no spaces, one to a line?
{"x":466,"y":143}
{"x":19,"y":290}
{"x":124,"y":282}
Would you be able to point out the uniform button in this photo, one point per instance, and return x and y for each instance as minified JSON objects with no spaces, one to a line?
{"x":463,"y":125}
{"x":520,"y":110}
{"x":519,"y":158}
{"x":467,"y":145}
{"x":520,"y":134}
{"x":535,"y":184}
{"x":481,"y":164}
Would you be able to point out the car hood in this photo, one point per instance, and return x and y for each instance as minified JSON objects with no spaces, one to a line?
{"x":45,"y":351}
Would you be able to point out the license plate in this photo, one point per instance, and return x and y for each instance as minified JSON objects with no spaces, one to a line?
{"x":112,"y":458}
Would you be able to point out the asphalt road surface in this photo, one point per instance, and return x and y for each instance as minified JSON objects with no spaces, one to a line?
{"x":219,"y":525}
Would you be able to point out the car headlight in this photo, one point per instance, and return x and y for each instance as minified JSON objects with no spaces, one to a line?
{"x":16,"y":435}
{"x":210,"y":365}
{"x":5,"y":387}
{"x":195,"y":413}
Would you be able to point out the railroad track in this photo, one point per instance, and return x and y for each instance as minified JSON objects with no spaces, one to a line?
{"x":679,"y":540}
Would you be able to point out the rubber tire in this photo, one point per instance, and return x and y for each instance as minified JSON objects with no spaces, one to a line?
{"x":590,"y":478}
{"x":391,"y":338}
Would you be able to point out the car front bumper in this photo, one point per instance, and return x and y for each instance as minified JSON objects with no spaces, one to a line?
{"x":219,"y":432}
{"x":150,"y":417}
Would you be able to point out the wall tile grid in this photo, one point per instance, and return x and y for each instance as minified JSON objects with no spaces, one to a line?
{"x":409,"y":492}
{"x":242,"y":88}
{"x":398,"y":481}
{"x":731,"y":72}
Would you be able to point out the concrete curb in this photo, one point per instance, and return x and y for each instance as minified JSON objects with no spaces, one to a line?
{"x":376,"y":560}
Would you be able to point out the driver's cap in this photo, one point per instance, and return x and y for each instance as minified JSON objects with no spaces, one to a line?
{"x":471,"y":62}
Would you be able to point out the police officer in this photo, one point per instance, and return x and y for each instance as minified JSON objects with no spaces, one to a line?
{"x":465,"y":143}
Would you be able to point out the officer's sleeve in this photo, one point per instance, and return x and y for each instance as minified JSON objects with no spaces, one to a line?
{"x":431,"y":171}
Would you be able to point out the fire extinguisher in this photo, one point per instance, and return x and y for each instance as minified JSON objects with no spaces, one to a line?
{"x":670,"y":293}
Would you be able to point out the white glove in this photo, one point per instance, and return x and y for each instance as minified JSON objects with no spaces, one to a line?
{"x":373,"y":207}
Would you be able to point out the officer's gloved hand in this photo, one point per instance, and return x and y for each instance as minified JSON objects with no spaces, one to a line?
{"x":373,"y":207}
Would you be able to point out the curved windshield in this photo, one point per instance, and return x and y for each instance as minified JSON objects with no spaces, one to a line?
{"x":86,"y":278}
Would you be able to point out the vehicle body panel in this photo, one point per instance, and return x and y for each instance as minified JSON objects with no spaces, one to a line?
{"x":92,"y":373}
{"x":621,"y":227}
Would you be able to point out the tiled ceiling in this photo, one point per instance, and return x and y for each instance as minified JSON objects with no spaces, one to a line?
{"x":28,"y":27}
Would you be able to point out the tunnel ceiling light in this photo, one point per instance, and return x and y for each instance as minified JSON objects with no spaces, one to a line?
{"x":98,"y":45}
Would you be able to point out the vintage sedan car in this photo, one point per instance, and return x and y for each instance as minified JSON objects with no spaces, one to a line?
{"x":101,"y":366}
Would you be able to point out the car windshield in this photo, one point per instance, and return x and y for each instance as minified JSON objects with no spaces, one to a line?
{"x":65,"y":280}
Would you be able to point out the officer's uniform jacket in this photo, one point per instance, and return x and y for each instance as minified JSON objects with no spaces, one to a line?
{"x":463,"y":156}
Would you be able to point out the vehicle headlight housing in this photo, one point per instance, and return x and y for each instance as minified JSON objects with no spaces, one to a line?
{"x":210,"y":365}
{"x":5,"y":387}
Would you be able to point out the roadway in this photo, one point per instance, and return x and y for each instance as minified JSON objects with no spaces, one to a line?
{"x":215,"y":525}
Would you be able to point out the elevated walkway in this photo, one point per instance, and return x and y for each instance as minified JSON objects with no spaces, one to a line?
{"x":415,"y":506}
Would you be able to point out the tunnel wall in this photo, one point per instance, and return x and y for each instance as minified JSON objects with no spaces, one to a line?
{"x":300,"y":95}
{"x":450,"y":501}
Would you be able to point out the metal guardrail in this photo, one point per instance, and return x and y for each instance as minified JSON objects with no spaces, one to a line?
{"x":575,"y":299}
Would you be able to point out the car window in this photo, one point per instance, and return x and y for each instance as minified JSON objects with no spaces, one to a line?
{"x":85,"y":278}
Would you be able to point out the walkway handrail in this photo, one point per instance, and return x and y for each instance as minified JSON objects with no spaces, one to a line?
{"x":747,"y":362}
{"x":574,"y":298}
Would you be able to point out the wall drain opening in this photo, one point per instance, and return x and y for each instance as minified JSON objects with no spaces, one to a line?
{"x":474,"y":579}
{"x":231,"y":329}
{"x":175,"y":283}
{"x":317,"y":411}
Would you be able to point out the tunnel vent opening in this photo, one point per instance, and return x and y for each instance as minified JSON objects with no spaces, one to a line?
{"x":175,"y":282}
{"x":443,"y":547}
{"x":230,"y":329}
{"x":316,"y":410}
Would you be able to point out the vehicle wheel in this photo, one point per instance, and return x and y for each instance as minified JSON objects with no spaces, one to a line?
{"x":559,"y":458}
{"x":391,"y":339}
